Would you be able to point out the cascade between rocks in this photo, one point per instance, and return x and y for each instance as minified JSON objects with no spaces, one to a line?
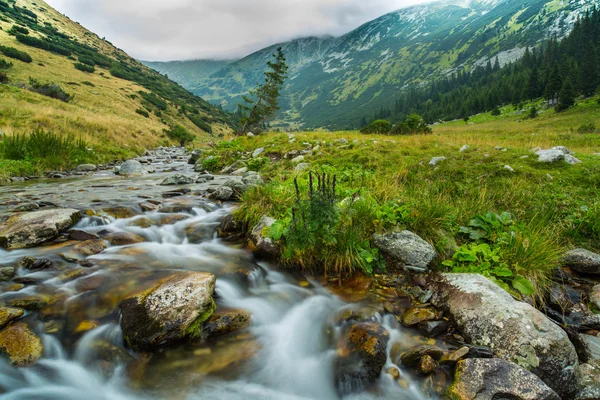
{"x":274,"y":334}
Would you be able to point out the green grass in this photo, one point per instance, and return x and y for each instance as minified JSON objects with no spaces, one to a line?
{"x":555,"y":206}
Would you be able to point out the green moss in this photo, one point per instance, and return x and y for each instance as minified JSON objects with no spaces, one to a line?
{"x":194,"y":331}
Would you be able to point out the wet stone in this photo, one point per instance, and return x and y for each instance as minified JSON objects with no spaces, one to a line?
{"x":433,"y":328}
{"x":6,"y":273}
{"x":91,"y":247}
{"x":124,"y":238}
{"x":452,"y":358}
{"x":412,"y":356}
{"x":427,"y":365}
{"x":415,"y":316}
{"x":226,"y":321}
{"x":36,"y":264}
{"x":9,"y":314}
{"x":76,"y":234}
{"x":22,"y":346}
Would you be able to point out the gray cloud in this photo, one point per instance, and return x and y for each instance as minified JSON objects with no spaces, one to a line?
{"x":189,"y":29}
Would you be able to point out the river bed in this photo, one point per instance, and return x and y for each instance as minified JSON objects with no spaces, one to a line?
{"x":287,"y":353}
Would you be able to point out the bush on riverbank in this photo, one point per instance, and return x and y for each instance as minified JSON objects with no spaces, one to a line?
{"x":41,"y":150}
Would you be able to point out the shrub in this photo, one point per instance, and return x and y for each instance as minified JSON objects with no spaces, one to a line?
{"x":16,"y":54}
{"x":154,"y":100}
{"x":379,"y":126}
{"x":413,"y":124}
{"x":87,"y":61}
{"x":143,"y":112}
{"x":5,"y":64}
{"x":52,"y":90}
{"x":212,"y":163}
{"x":16,"y":29}
{"x":180,"y":134}
{"x":88,"y":83}
{"x":200,"y":123}
{"x":43,"y":44}
{"x":84,"y":68}
{"x":258,"y":163}
{"x":533,"y":112}
{"x":496,"y":112}
{"x":587,"y":128}
{"x":321,"y":233}
{"x":3,"y":78}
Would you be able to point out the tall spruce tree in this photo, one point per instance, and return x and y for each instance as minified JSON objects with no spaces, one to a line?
{"x":589,"y":72}
{"x":262,"y":103}
{"x":555,"y":83}
{"x":533,"y":85}
{"x":567,"y":95}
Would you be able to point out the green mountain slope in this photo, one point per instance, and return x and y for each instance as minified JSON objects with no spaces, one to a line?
{"x":117,"y":105}
{"x":365,"y":69}
{"x":187,"y":73}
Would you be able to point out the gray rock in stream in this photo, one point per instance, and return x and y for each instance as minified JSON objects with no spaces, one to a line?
{"x":495,"y":379}
{"x":132,"y":168}
{"x":223,"y":193}
{"x":263,"y":244}
{"x":486,"y":315}
{"x":174,"y":310}
{"x":405,"y":249}
{"x":178,"y":180}
{"x":30,"y":229}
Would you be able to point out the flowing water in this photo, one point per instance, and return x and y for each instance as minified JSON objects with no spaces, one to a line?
{"x":288,"y":352}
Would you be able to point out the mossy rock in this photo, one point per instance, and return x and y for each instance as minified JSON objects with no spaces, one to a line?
{"x":22,"y":346}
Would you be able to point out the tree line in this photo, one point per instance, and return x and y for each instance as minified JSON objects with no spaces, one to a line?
{"x":558,"y":71}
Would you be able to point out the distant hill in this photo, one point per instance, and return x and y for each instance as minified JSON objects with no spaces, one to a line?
{"x":342,"y":80}
{"x":118,"y":104}
{"x":187,"y":73}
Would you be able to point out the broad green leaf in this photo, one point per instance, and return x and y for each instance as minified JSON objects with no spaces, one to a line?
{"x":523,"y":285}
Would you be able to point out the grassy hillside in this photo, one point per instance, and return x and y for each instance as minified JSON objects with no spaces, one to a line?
{"x":552,"y":206}
{"x":116,"y":116}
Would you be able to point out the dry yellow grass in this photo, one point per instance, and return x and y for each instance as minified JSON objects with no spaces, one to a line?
{"x":103,"y":114}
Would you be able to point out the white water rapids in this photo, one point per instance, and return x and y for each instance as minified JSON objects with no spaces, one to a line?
{"x":293,"y":327}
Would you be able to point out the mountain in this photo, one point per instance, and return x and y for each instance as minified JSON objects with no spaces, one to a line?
{"x":187,"y":73}
{"x":350,"y":77}
{"x":61,"y":77}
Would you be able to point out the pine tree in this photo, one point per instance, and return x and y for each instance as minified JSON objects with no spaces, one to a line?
{"x":533,"y":85}
{"x":589,"y":73}
{"x":262,"y":103}
{"x":554,"y":84}
{"x":567,"y":95}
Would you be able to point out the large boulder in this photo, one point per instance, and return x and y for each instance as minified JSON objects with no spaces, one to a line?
{"x":550,"y":156}
{"x":223,"y":193}
{"x":362,"y":354}
{"x":22,"y":346}
{"x":132,"y":168}
{"x":195,"y":156}
{"x":486,"y":315}
{"x":173,"y":310}
{"x":263,"y":244}
{"x":405,"y":249}
{"x":583,"y":261}
{"x":30,"y":229}
{"x":491,"y":379}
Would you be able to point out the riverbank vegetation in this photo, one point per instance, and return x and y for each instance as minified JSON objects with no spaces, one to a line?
{"x":493,"y":205}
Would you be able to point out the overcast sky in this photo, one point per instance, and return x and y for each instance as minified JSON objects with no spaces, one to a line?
{"x":191,"y":29}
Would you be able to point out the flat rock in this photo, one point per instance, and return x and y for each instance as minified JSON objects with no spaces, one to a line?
{"x":175,"y":309}
{"x":178,"y":180}
{"x":550,"y":156}
{"x":486,"y":315}
{"x":34,"y":228}
{"x":86,"y":168}
{"x":436,"y":160}
{"x":495,"y":379}
{"x":124,"y":238}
